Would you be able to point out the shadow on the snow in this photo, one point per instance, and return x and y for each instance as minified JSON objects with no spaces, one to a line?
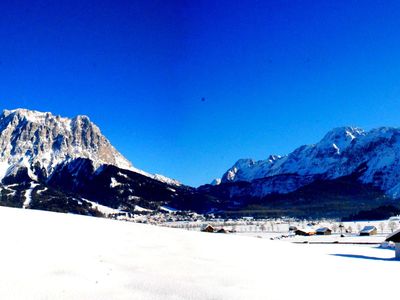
{"x":365,"y":257}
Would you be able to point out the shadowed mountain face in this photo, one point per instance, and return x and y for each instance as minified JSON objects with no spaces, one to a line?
{"x":336,"y":198}
{"x":118,"y":188}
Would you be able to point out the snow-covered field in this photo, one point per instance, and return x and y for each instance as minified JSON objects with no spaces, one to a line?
{"x":47,"y":255}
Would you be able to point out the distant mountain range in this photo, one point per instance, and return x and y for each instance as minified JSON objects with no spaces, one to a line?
{"x":341,"y":152}
{"x":347,"y":170}
{"x":67,"y":165}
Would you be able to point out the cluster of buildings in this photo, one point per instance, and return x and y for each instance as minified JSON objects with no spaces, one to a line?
{"x":366,"y":231}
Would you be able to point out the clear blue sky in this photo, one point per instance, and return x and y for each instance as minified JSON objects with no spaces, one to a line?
{"x":273,"y":74}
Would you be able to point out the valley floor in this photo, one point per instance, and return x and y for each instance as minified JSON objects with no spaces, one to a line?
{"x":47,"y":255}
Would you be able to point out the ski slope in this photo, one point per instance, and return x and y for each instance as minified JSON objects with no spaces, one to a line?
{"x":46,"y":255}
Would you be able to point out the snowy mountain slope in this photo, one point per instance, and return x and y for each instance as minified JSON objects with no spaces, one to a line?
{"x":340,"y":153}
{"x":77,"y":257}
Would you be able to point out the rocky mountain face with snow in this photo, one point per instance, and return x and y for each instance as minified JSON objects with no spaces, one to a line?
{"x":40,"y":141}
{"x":61,"y":164}
{"x":350,"y":156}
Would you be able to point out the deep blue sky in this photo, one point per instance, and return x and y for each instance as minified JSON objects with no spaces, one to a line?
{"x":273,"y":74}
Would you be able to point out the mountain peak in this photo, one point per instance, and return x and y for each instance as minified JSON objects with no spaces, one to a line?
{"x":340,"y":138}
{"x":30,"y":115}
{"x":45,"y":140}
{"x":35,"y":116}
{"x":345,"y":131}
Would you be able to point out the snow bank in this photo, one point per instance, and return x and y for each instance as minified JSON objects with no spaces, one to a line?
{"x":58,"y":256}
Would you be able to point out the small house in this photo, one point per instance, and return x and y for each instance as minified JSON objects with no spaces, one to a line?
{"x":304,"y":232}
{"x":323,"y":231}
{"x":222,"y":230}
{"x":395,"y":238}
{"x":208,"y":228}
{"x":368,"y":230}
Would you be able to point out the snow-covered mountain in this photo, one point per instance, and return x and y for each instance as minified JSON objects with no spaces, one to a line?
{"x":35,"y":139}
{"x":341,"y":152}
{"x":55,"y":163}
{"x":40,"y":141}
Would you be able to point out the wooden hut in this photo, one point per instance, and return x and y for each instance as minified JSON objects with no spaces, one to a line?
{"x":208,"y":228}
{"x":395,"y":238}
{"x":368,"y":230}
{"x":222,"y":230}
{"x":323,"y":231}
{"x":304,"y":232}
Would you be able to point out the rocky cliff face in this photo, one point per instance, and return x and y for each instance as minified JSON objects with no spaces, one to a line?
{"x":40,"y":141}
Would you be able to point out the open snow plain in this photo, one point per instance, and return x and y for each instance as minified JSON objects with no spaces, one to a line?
{"x":46,"y":255}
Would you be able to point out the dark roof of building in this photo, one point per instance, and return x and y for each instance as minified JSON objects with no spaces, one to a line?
{"x":323,"y":229}
{"x":305,"y":230}
{"x":368,"y":229}
{"x":394,"y":237}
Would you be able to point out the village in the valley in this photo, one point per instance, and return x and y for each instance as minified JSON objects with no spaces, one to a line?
{"x":380,"y":233}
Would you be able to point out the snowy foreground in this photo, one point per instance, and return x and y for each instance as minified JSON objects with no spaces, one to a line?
{"x":46,"y":255}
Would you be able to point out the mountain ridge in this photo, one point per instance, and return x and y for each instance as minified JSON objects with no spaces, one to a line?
{"x":339,"y":153}
{"x":66,"y":164}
